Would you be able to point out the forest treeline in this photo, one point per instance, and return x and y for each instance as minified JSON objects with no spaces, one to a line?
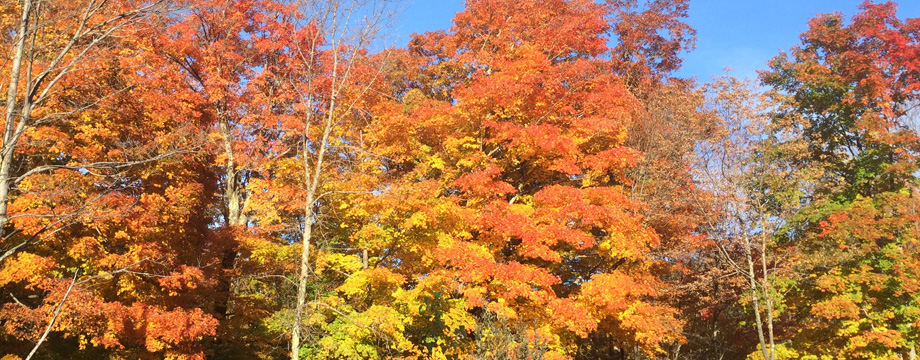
{"x":262,"y":179}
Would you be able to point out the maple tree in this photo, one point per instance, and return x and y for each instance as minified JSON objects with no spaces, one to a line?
{"x":207,"y":63}
{"x":265,"y":76}
{"x":519,"y":164}
{"x":36,"y":74}
{"x":99,"y":187}
{"x":649,"y":36}
{"x":852,"y":83}
{"x":335,"y":79}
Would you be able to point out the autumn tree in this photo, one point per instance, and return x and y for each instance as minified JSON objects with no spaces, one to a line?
{"x":753,"y":194}
{"x":669,"y":123}
{"x":100,"y":190}
{"x":649,"y":37}
{"x":335,"y":78}
{"x":37,"y":71}
{"x":516,"y":163}
{"x":211,"y":58}
{"x":853,"y":83}
{"x":285,"y":86}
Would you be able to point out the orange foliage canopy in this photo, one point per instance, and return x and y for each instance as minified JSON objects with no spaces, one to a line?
{"x":512,"y":136}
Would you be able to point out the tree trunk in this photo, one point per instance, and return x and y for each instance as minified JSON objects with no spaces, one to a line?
{"x":233,"y":215}
{"x":9,"y":130}
{"x":755,"y":298}
{"x":302,"y":283}
{"x":312,"y":181}
{"x":767,"y":292}
{"x":335,"y":16}
{"x":232,"y":190}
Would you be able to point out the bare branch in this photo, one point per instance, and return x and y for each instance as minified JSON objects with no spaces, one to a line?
{"x":57,"y":312}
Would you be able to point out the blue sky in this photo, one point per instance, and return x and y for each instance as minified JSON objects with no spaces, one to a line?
{"x":743,"y":34}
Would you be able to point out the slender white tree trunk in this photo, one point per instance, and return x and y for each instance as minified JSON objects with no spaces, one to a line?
{"x":335,"y":17}
{"x":755,"y":298}
{"x":9,"y":129}
{"x":767,"y":292}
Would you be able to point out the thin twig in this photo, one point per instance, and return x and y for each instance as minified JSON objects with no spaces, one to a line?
{"x":57,"y":312}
